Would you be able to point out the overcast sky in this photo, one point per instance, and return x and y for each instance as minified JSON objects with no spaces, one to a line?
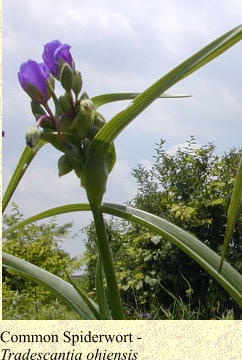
{"x":121,"y":46}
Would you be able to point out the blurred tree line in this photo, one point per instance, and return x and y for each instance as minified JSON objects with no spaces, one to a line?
{"x":39,"y":245}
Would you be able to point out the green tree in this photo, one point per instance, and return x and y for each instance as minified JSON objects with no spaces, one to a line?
{"x":190,"y":188}
{"x":40,"y":245}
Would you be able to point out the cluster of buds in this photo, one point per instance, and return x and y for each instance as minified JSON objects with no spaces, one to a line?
{"x":75,"y":121}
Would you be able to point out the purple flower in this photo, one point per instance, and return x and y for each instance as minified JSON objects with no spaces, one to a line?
{"x":33,"y":79}
{"x":54,"y":52}
{"x":145,"y":315}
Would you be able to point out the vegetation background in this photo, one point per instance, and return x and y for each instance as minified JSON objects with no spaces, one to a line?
{"x":190,"y":188}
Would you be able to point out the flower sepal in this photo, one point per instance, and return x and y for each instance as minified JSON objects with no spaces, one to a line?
{"x":64,"y":165}
{"x":67,"y":77}
{"x":65,"y":104}
{"x":35,"y":93}
{"x":37,"y":110}
{"x":77,"y":84}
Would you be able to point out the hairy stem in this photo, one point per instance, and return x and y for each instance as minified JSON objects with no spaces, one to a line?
{"x":107,"y":261}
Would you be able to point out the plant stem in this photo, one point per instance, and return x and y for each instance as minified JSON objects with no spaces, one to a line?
{"x":107,"y":261}
{"x":48,"y":109}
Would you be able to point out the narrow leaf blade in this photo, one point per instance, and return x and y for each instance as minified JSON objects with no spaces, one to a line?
{"x":107,"y":98}
{"x":24,"y":162}
{"x":57,"y":285}
{"x":229,"y":278}
{"x":85,"y":298}
{"x":111,"y":130}
{"x":48,"y":213}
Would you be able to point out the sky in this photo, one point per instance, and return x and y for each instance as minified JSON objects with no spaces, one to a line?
{"x":120,"y":46}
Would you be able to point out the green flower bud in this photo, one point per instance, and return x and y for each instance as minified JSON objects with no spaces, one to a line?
{"x":65,"y":104}
{"x":67,"y":77}
{"x":84,"y":120}
{"x":64,"y":165}
{"x":77,"y":84}
{"x":82,"y":124}
{"x":88,"y":107}
{"x":32,"y":136}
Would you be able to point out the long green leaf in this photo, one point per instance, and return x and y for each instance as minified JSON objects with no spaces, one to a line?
{"x":233,"y":211}
{"x":85,"y":298}
{"x":24,"y":162}
{"x":229,"y":278}
{"x":107,"y":98}
{"x":48,"y":213}
{"x":111,"y":130}
{"x":57,"y":285}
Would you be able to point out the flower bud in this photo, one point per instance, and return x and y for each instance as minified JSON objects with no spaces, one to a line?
{"x":84,"y":120}
{"x":88,"y":107}
{"x":32,"y":136}
{"x":77,"y":84}
{"x":81,"y":125}
{"x":64,"y":102}
{"x":64,"y":165}
{"x":54,"y":52}
{"x":67,"y":77}
{"x":33,"y":78}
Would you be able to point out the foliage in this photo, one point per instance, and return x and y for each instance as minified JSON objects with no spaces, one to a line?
{"x":88,"y":149}
{"x":38,"y":244}
{"x":190,"y":188}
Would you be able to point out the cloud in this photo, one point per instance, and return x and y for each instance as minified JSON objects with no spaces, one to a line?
{"x":121,"y":186}
{"x":122,"y":46}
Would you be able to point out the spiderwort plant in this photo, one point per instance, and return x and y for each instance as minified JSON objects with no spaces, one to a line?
{"x":71,"y":130}
{"x":80,"y":132}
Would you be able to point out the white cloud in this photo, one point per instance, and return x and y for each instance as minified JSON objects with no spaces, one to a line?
{"x":122,"y":46}
{"x":121,"y":186}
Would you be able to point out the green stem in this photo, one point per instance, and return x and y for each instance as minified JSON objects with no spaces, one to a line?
{"x":48,"y":109}
{"x":107,"y":261}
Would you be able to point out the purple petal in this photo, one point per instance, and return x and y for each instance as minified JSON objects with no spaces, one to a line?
{"x":35,"y":74}
{"x":48,"y":53}
{"x":53,"y":52}
{"x":62,"y":52}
